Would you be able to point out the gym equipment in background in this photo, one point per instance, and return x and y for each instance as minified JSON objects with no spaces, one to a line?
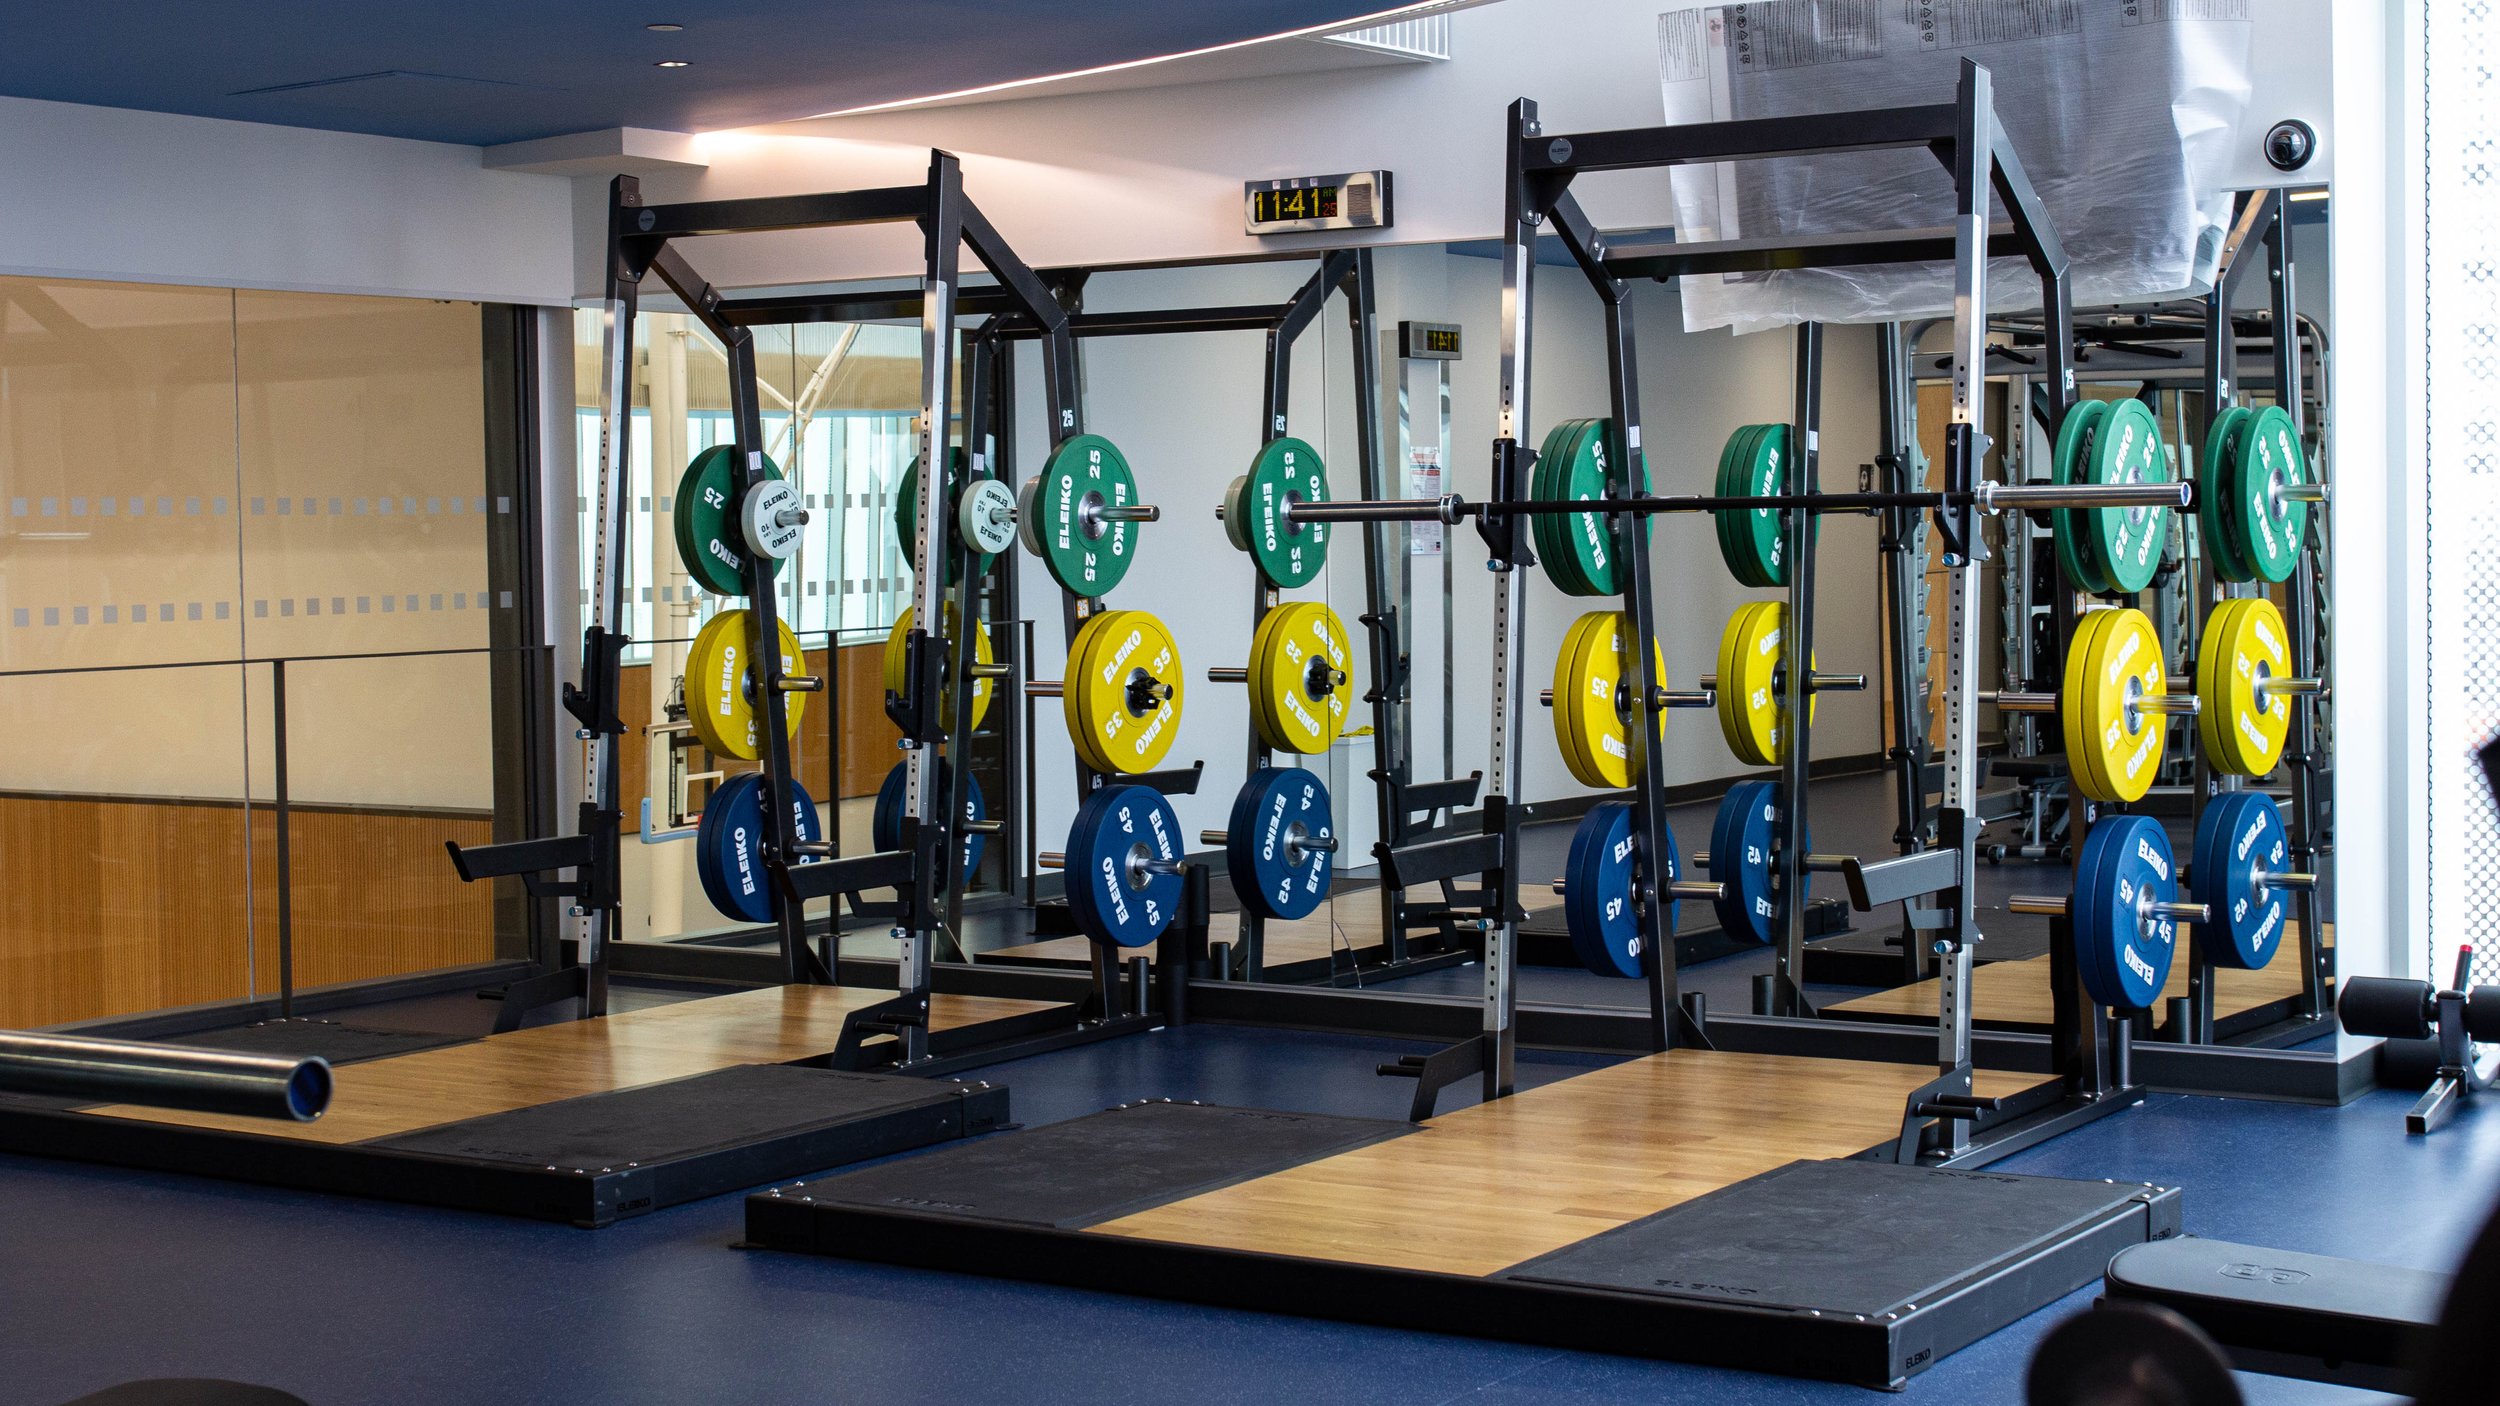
{"x":2435,"y":1039}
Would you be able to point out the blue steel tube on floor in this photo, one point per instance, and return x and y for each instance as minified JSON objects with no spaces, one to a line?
{"x":165,"y":1076}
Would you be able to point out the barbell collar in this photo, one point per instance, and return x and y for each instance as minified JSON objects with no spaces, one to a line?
{"x":1446,"y":509}
{"x":1228,"y":676}
{"x":2039,"y":904}
{"x":1999,"y":497}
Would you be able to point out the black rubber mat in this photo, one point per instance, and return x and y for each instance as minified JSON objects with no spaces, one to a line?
{"x":327,"y":1039}
{"x":735,"y":1107}
{"x":1839,"y":1237}
{"x":1105,"y":1165}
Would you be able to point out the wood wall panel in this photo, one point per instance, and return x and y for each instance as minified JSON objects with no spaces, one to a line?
{"x":116,"y":907}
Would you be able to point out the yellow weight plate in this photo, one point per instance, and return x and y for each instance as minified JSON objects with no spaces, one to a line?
{"x":1605,"y":734}
{"x":1262,"y":649}
{"x":720,"y":688}
{"x":1113,"y":703}
{"x":1566,"y":685}
{"x":894,"y":668}
{"x":2121,"y":665}
{"x":2080,"y":759}
{"x":1304,"y":676}
{"x":2252,"y":646}
{"x":1081,"y":652}
{"x":2214,"y":739}
{"x":1750,"y":707}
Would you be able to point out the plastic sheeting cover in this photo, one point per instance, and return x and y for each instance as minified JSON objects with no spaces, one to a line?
{"x":2124,"y":113}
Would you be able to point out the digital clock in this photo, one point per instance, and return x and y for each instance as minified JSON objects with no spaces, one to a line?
{"x":1351,"y":200}
{"x":1428,"y":341}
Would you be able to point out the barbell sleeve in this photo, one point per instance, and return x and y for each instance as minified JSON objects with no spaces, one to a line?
{"x":287,"y":1088}
{"x":1446,"y":509}
{"x":1214,"y":837}
{"x":1997,"y":497}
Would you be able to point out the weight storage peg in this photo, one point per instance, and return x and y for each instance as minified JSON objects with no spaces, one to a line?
{"x":1602,"y":891}
{"x":1753,"y":710}
{"x":1123,"y":706}
{"x":1300,"y":663}
{"x":1080,"y":515}
{"x":1279,"y":843}
{"x":1258,"y":512}
{"x":2124,"y":911}
{"x":1594,"y":699}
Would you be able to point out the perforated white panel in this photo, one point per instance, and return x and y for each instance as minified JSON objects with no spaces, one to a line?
{"x":2462,"y":378}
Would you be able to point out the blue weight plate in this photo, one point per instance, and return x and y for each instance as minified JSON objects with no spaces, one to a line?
{"x":729,"y":846}
{"x":2089,"y":910}
{"x":2248,"y":835}
{"x":712,"y":858}
{"x":1274,"y":809}
{"x":885,"y":822}
{"x":2204,"y":873}
{"x":1113,"y":900}
{"x":1597,"y":892}
{"x":1744,"y":846}
{"x":2126,"y":963}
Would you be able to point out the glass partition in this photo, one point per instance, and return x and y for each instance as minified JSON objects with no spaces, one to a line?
{"x":203,"y":489}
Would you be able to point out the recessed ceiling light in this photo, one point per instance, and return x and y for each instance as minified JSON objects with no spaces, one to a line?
{"x":670,"y":63}
{"x":664,"y":28}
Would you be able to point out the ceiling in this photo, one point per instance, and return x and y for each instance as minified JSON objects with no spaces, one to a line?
{"x":483,"y":74}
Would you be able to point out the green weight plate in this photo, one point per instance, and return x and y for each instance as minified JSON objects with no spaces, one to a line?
{"x":907,"y":515}
{"x":1083,"y":553}
{"x":1286,"y":471}
{"x":1731,"y":483}
{"x":2213,"y":495}
{"x":2126,"y":543}
{"x":708,"y":539}
{"x":2074,"y":441}
{"x":1575,"y":472}
{"x":2268,"y":460}
{"x":1759,"y":534}
{"x":1549,"y":456}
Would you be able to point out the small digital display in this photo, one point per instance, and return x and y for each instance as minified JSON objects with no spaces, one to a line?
{"x":1443,"y":340}
{"x":1428,"y":341}
{"x":1300,"y":203}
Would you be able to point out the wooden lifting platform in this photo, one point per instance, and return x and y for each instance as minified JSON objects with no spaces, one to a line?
{"x":585,"y":1121}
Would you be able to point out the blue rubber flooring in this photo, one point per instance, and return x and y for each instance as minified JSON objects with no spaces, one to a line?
{"x":109,"y":1275}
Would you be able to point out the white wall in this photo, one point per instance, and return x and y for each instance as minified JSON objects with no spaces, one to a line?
{"x":108,"y":193}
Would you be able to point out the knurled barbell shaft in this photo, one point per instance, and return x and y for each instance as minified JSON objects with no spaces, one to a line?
{"x":1999,"y":496}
